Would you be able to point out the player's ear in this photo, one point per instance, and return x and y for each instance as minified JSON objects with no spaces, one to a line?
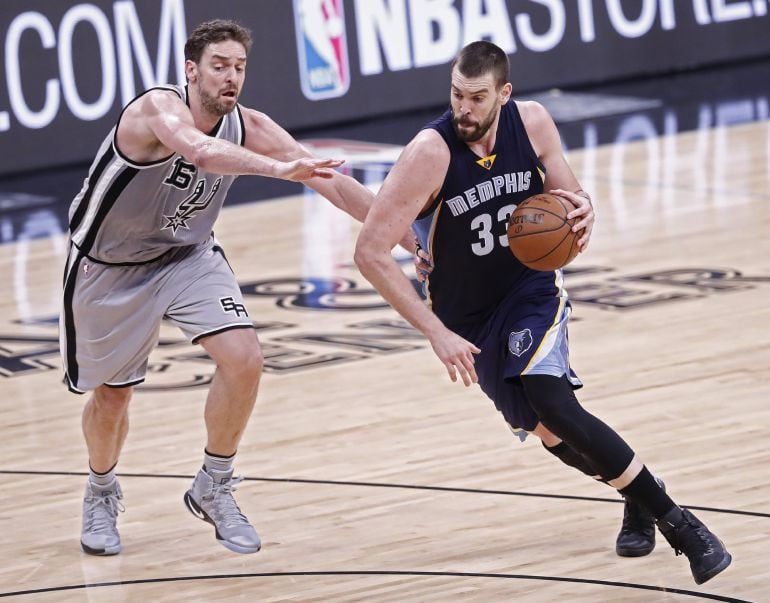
{"x":505,"y":93}
{"x":190,"y":70}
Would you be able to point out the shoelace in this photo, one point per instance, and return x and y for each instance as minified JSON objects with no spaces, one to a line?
{"x":224,"y":504}
{"x":102,"y":513}
{"x":701,"y":537}
{"x":696,"y":534}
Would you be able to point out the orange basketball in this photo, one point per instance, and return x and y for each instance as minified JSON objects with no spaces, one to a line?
{"x":539,"y":234}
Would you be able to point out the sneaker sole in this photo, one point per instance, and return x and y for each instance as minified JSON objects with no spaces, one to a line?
{"x":114,"y":550}
{"x":628,"y":552}
{"x":236,"y":548}
{"x":728,"y":559}
{"x":193,"y":507}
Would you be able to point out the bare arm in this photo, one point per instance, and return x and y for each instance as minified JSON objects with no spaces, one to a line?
{"x":559,"y":178}
{"x":410,"y":185}
{"x":265,"y":136}
{"x":159,"y":124}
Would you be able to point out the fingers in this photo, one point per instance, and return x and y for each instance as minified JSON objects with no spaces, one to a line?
{"x":321,"y":173}
{"x":468,"y":376}
{"x":327,"y":163}
{"x":423,"y":267}
{"x":585,"y":237}
{"x":422,"y":264}
{"x":464,"y":364}
{"x":582,"y":204}
{"x":316,"y":168}
{"x":584,"y":210}
{"x":424,"y":255}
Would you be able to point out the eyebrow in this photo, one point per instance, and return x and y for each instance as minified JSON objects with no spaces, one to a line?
{"x":472,"y":93}
{"x":227,"y":58}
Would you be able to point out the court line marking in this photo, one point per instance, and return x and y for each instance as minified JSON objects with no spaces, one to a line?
{"x":324,"y":482}
{"x":684,"y":592}
{"x":679,"y":591}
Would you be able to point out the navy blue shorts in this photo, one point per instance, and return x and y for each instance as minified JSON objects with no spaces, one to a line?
{"x":525,"y":335}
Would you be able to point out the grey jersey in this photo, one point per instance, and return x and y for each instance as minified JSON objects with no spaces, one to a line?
{"x":129,"y":212}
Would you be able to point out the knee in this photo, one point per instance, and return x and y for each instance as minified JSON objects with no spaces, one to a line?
{"x":244,"y":362}
{"x":253,"y":362}
{"x":548,"y":438}
{"x":554,"y":401}
{"x":112,"y":401}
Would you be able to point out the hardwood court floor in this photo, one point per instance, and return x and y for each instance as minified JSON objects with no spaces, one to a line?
{"x":370,"y":476}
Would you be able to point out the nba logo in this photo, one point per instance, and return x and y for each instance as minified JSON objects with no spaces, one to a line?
{"x":322,"y":48}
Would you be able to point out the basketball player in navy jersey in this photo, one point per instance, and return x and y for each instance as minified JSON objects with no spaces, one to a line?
{"x":142,"y":250}
{"x":494,"y":321}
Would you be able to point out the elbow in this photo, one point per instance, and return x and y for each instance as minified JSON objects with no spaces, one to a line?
{"x":201,"y":154}
{"x":364,"y":257}
{"x":360,"y":257}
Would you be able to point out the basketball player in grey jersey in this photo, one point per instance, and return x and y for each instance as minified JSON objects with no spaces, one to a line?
{"x":531,"y":384}
{"x":142,"y":250}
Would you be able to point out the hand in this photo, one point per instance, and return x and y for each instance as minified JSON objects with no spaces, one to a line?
{"x":422,"y":264}
{"x":457,"y":355}
{"x":584,"y":210}
{"x":307,"y":168}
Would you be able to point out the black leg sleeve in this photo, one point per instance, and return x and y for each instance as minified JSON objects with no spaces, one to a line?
{"x":554,"y":401}
{"x":572,"y":458}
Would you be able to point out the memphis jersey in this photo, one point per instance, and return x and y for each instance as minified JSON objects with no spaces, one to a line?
{"x":129,"y":212}
{"x":464,"y":229}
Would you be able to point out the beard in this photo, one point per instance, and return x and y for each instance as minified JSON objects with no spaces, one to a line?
{"x":214,"y":106}
{"x":478,"y":130}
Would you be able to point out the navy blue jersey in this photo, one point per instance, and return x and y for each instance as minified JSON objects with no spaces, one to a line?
{"x":465,"y":228}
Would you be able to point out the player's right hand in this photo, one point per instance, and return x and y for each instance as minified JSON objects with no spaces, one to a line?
{"x":457,"y":354}
{"x":307,"y":168}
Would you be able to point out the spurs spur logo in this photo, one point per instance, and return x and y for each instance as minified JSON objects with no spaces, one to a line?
{"x":194,"y":203}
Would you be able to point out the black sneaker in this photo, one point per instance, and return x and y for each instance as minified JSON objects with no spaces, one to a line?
{"x":688,"y":535}
{"x":637,"y":533}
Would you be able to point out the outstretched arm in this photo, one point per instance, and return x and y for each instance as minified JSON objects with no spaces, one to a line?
{"x":265,"y":136}
{"x":559,"y":179}
{"x":410,"y":185}
{"x":159,"y":123}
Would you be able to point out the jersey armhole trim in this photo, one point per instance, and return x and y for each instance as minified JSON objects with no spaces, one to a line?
{"x":141,"y":164}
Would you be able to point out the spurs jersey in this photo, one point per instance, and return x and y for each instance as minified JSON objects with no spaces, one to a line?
{"x":465,"y":228}
{"x":129,"y":212}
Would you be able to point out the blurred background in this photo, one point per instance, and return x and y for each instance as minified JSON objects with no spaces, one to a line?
{"x":372,"y":71}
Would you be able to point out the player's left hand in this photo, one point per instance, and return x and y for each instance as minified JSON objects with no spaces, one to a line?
{"x":423,"y":265}
{"x":307,"y":168}
{"x":584,"y":211}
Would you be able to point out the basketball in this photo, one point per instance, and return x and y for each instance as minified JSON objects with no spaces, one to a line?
{"x":540,"y":235}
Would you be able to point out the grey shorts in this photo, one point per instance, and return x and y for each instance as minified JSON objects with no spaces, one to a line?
{"x":111,"y":314}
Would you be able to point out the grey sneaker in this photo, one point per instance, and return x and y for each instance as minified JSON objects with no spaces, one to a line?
{"x":100,"y":512}
{"x":211,"y":499}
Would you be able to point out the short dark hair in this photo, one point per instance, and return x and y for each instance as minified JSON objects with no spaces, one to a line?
{"x":482,"y":57}
{"x":214,"y":31}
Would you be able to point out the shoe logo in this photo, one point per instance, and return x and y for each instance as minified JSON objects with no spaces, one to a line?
{"x":194,"y":508}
